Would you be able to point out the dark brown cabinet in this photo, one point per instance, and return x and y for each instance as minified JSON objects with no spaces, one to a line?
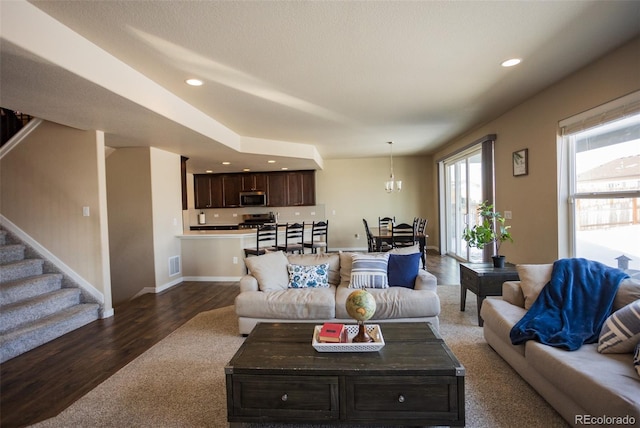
{"x":254,"y":182}
{"x":291,"y":188}
{"x":231,"y":188}
{"x":277,"y":190}
{"x":208,"y":191}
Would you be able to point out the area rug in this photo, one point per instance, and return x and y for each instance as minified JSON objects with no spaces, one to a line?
{"x":180,"y":382}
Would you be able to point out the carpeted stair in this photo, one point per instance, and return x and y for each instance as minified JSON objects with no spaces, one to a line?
{"x":34,"y":307}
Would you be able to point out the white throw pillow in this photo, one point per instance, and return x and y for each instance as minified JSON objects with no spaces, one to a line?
{"x":270,"y":270}
{"x":369,"y":271}
{"x":332,"y":259}
{"x":305,"y":276}
{"x":533,"y":278}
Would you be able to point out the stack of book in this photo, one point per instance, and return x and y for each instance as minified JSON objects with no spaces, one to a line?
{"x":332,"y":333}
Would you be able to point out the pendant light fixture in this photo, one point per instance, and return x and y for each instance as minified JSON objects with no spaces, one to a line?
{"x":392,"y":185}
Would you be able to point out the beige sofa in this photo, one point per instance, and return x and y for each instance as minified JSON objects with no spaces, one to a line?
{"x":265,"y":297}
{"x":584,"y":386}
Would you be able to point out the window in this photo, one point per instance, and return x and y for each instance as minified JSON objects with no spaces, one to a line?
{"x":466,"y":180}
{"x":603,"y":149}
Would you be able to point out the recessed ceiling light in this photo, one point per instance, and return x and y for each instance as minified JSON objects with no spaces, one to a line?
{"x":511,"y":62}
{"x":246,"y":169}
{"x":271,"y":161}
{"x":194,"y":82}
{"x":209,"y":171}
{"x":284,"y":168}
{"x":226,"y":163}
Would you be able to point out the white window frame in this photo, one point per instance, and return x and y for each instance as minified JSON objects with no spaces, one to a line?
{"x":615,"y":110}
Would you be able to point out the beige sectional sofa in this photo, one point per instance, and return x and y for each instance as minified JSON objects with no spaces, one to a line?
{"x":586,"y":387}
{"x":265,"y":295}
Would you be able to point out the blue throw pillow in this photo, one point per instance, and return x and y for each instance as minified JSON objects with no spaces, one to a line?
{"x":403,"y":269}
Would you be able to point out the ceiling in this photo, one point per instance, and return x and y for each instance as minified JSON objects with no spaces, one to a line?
{"x":293,"y":81}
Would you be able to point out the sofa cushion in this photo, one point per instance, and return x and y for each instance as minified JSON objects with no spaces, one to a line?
{"x":270,"y":270}
{"x":500,"y":316}
{"x":403,"y":269}
{"x":393,"y":302}
{"x":603,"y":384}
{"x":413,"y":249}
{"x":315,"y":259}
{"x":315,"y":276}
{"x":621,"y":330}
{"x":628,"y":291}
{"x":369,"y":271}
{"x":299,"y":304}
{"x":533,"y":278}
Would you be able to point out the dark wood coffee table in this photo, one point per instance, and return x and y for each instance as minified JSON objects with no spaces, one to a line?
{"x":277,"y":376}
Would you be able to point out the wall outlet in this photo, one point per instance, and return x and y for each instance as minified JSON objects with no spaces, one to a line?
{"x":313,"y":213}
{"x":297,"y":213}
{"x":235,"y":260}
{"x":86,"y":212}
{"x":216,"y":215}
{"x":235,"y":214}
{"x":507,"y":215}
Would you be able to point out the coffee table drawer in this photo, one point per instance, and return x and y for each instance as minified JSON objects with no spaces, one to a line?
{"x":305,"y":397}
{"x":405,"y":398}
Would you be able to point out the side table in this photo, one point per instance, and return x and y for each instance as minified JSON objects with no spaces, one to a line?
{"x":484,"y":280}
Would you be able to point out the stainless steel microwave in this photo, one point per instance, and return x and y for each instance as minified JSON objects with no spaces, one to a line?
{"x":253,"y":199}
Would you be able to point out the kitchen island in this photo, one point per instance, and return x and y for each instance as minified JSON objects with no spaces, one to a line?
{"x":215,"y":255}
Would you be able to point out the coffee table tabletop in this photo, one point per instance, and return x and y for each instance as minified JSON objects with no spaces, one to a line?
{"x":277,"y":376}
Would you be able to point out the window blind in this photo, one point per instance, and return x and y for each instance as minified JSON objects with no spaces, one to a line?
{"x":620,"y":108}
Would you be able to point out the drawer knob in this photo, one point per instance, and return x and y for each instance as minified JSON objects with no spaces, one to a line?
{"x":285,"y":397}
{"x":401,"y":398}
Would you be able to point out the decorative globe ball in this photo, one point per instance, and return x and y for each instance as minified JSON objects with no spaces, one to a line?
{"x":360,"y":305}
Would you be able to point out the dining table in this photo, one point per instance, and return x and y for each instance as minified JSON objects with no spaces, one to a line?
{"x":382,"y":235}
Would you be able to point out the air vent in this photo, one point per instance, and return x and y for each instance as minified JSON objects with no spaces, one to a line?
{"x":174,"y":265}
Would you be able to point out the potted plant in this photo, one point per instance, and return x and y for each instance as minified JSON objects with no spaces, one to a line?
{"x":491,"y":229}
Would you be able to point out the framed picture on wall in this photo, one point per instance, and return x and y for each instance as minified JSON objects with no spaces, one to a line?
{"x":521,"y":162}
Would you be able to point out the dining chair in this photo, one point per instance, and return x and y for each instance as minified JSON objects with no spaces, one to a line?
{"x":422,"y":225}
{"x":266,"y":240}
{"x":293,"y":238}
{"x":319,"y":232}
{"x":371,"y":242}
{"x":385,"y":223}
{"x":402,"y":235}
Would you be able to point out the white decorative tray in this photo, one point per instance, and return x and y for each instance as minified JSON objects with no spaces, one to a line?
{"x":352,"y":330}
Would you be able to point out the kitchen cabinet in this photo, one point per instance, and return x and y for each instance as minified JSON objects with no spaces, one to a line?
{"x":254,"y":182}
{"x":277,"y":189}
{"x":302,"y":188}
{"x":208,"y":191}
{"x":231,"y":188}
{"x":290,"y":188}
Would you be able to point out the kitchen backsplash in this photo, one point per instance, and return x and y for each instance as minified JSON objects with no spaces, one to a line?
{"x":307,"y":214}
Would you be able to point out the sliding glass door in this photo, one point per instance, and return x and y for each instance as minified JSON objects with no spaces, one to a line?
{"x":462,"y":195}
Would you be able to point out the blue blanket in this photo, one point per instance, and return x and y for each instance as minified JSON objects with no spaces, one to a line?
{"x":572,"y":307}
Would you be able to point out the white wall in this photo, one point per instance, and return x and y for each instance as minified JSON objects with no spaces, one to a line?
{"x":166,"y":199}
{"x":46,"y":180}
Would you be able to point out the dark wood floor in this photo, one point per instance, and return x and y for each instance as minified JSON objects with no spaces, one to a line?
{"x":41,"y":383}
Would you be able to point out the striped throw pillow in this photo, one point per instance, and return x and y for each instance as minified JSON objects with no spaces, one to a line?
{"x":369,"y":271}
{"x":636,"y":358}
{"x":621,"y":331}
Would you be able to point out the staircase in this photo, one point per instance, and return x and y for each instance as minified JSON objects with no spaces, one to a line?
{"x":35,"y":308}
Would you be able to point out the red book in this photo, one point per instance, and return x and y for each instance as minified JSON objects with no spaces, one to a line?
{"x":331,"y":332}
